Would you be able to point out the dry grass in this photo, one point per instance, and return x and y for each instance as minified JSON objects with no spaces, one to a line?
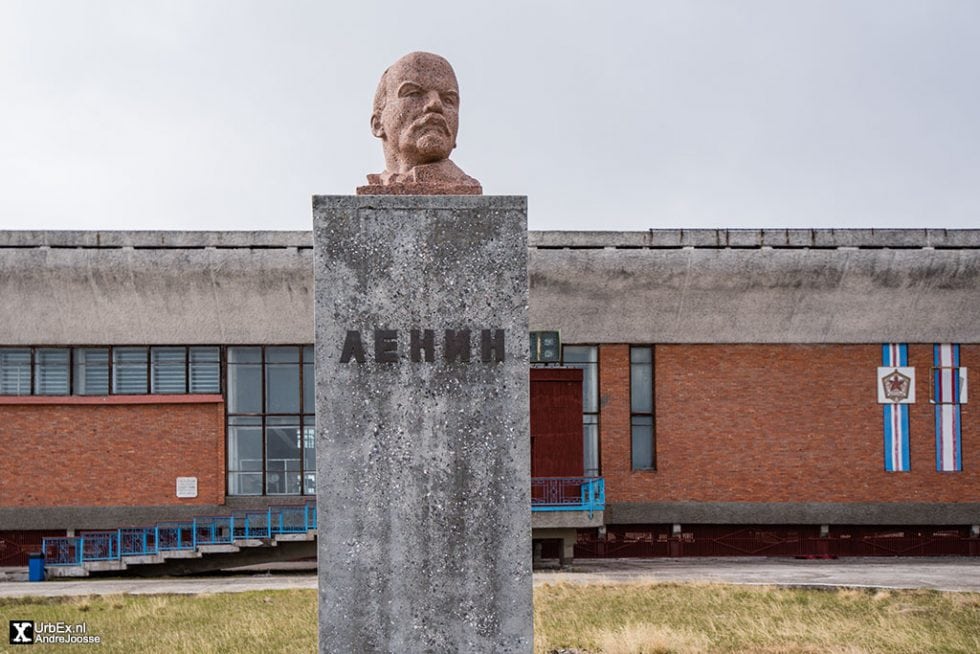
{"x":613,"y":619}
{"x":687,"y":618}
{"x":255,"y":622}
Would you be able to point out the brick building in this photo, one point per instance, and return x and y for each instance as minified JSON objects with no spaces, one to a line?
{"x":729,"y":395}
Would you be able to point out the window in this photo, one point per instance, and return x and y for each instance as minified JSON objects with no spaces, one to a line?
{"x":51,"y":371}
{"x":641,"y":408}
{"x":309,"y":455}
{"x":91,"y":371}
{"x":282,"y":389}
{"x":126,"y":370}
{"x":586,"y":358}
{"x":309,"y":380}
{"x":168,"y":370}
{"x":283,"y":444}
{"x":271,"y":435}
{"x":244,"y":380}
{"x":205,"y":370}
{"x":15,"y":371}
{"x":244,"y":455}
{"x":129,"y":369}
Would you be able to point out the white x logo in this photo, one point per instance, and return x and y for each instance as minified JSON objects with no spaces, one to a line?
{"x":21,"y":635}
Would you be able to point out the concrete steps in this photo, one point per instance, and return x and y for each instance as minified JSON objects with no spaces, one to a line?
{"x":251,"y":551}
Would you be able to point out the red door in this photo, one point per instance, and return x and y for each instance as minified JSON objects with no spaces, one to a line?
{"x":556,"y":422}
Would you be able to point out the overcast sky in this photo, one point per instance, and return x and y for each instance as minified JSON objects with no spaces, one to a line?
{"x":617,"y":115}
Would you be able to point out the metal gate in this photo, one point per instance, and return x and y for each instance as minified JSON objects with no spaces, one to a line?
{"x":647,"y":541}
{"x":16,"y":545}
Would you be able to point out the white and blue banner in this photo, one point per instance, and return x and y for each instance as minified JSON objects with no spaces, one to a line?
{"x":896,"y":389}
{"x":948,"y":393}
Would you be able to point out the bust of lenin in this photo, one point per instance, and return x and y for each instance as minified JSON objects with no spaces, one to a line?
{"x":416,"y":116}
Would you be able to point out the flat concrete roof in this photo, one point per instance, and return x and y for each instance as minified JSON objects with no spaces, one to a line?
{"x":653,"y":238}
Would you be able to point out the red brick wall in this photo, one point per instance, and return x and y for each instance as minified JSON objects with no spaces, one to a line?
{"x":777,"y":423}
{"x":71,"y":453}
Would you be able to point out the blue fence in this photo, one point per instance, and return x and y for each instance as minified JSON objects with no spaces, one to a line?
{"x":547,"y":494}
{"x":182,"y":535}
{"x":568,"y":494}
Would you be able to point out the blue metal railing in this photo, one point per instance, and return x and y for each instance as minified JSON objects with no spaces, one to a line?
{"x":568,"y":494}
{"x":183,"y":535}
{"x":547,"y":494}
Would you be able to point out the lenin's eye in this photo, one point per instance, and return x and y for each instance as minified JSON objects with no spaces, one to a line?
{"x":409,"y":91}
{"x":450,"y":98}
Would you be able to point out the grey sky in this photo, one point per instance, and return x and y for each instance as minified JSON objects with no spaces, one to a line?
{"x":629,"y":115}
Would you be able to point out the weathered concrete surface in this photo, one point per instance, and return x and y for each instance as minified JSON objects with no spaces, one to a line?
{"x":757,"y":238}
{"x":732,"y":286}
{"x":155,"y":239}
{"x":423,"y":466}
{"x":562,"y":519}
{"x":731,"y":295}
{"x":118,"y":296}
{"x":799,"y":513}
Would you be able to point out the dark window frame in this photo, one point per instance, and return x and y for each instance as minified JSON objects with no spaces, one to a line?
{"x":304,"y":419}
{"x":651,"y":414}
{"x":73,"y":360}
{"x":594,"y":416}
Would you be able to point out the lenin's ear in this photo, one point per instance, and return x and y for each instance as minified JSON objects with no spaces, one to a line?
{"x":376,"y":127}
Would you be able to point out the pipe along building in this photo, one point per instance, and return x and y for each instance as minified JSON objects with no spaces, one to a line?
{"x":694,"y":392}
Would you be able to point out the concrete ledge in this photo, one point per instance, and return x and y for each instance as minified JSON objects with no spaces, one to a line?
{"x":65,"y":571}
{"x":215,"y":549}
{"x":105,"y":566}
{"x":249,"y":542}
{"x":656,"y":238}
{"x":566,"y":519}
{"x":143,"y":559}
{"x":180,"y":554}
{"x":154,"y":239}
{"x":757,"y":238}
{"x":793,"y":513}
{"x":292,"y":538}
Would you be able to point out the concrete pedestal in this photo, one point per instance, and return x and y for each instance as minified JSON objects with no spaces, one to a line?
{"x":423,"y":461}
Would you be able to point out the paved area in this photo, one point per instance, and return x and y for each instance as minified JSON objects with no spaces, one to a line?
{"x":948,"y":574}
{"x":175,"y":585}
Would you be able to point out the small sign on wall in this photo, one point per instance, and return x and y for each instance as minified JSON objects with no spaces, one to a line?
{"x":896,"y":385}
{"x":186,"y":487}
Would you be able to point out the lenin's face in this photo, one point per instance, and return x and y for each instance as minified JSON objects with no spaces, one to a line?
{"x":420,"y":118}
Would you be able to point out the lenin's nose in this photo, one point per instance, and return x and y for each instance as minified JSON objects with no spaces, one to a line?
{"x":433,"y":102}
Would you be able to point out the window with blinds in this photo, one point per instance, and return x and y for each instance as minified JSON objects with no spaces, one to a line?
{"x":168,"y":370}
{"x":129,"y":368}
{"x":51,"y":371}
{"x":205,"y":370}
{"x":104,"y":370}
{"x":91,"y":375}
{"x":15,"y":371}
